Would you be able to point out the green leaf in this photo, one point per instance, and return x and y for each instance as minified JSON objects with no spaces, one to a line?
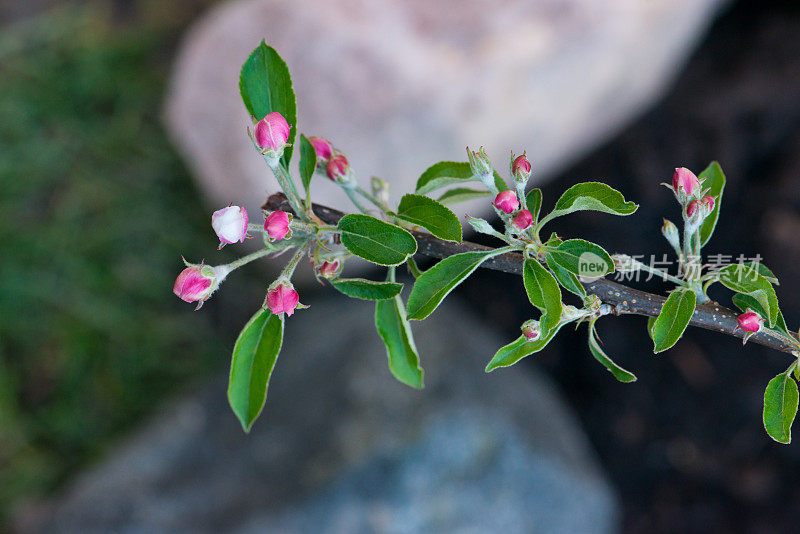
{"x":534,"y":202}
{"x":594,"y":346}
{"x":461,"y":194}
{"x":431,"y":215}
{"x":567,"y":280}
{"x":715,"y":182}
{"x":520,"y":348}
{"x":780,"y":407}
{"x":650,"y":322}
{"x":393,"y":327}
{"x":674,"y":318}
{"x":308,"y":164}
{"x":367,"y":289}
{"x":254,"y":356}
{"x":375,"y":240}
{"x":447,"y":173}
{"x":583,"y":258}
{"x":543,"y":292}
{"x":743,"y":302}
{"x":266,"y":86}
{"x":764,"y":271}
{"x":743,"y":279}
{"x":437,"y":282}
{"x":594,"y":196}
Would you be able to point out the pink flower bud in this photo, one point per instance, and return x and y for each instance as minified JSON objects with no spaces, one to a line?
{"x":277,"y":225}
{"x":703,"y":207}
{"x":708,"y":202}
{"x":197,"y":282}
{"x":531,"y":330}
{"x":506,"y":201}
{"x":282,"y":299}
{"x":521,"y":169}
{"x":523,"y":219}
{"x":338,"y":168}
{"x":750,"y":321}
{"x":329,"y":269}
{"x":685,"y":181}
{"x":322,"y":147}
{"x":693,"y":206}
{"x":230,"y":224}
{"x":272,"y":132}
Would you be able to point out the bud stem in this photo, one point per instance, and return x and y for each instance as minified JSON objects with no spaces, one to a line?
{"x":354,"y":199}
{"x":247,"y":259}
{"x":287,"y":184}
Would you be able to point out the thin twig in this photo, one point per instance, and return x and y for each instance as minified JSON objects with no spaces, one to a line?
{"x":624,"y":299}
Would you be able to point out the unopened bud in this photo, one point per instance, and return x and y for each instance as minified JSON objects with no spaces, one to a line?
{"x":523,"y":219}
{"x":482,"y":168}
{"x":329,"y":269}
{"x":282,"y":299}
{"x":196,"y":283}
{"x":520,"y":169}
{"x":230,"y":224}
{"x":532,"y":330}
{"x":671,"y":234}
{"x":338,"y":169}
{"x":276,"y":225}
{"x":750,"y":322}
{"x":322,"y":147}
{"x":380,"y":189}
{"x":507,"y":202}
{"x":272,"y":134}
{"x":685,"y":185}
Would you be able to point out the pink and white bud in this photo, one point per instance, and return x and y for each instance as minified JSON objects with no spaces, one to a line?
{"x":322,"y":147}
{"x":506,"y":201}
{"x":272,"y":134}
{"x":329,"y":269}
{"x":523,"y":219}
{"x":685,"y":185}
{"x":282,"y":299}
{"x":338,"y":169}
{"x":520,"y":168}
{"x":532,"y":330}
{"x":196,"y":283}
{"x":750,"y":321}
{"x":276,"y":225}
{"x":230,"y":224}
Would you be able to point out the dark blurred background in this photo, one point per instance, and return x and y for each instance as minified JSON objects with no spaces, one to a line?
{"x":95,"y":205}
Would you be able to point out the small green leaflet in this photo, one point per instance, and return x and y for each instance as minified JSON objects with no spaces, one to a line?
{"x":375,"y":240}
{"x":520,"y":348}
{"x":743,"y":279}
{"x":780,"y":407}
{"x":583,"y":258}
{"x":715,"y":183}
{"x":567,"y":280}
{"x":594,"y":346}
{"x":447,"y":173}
{"x":437,"y":282}
{"x":595,"y":196}
{"x":266,"y":86}
{"x":543,"y":292}
{"x":254,"y":356}
{"x":367,"y":289}
{"x":393,"y":327}
{"x":308,"y":164}
{"x":461,"y":194}
{"x":675,"y":315}
{"x":431,"y":215}
{"x":534,"y":202}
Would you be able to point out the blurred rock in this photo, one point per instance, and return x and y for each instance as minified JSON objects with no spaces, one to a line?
{"x":343,"y":447}
{"x":401,"y":85}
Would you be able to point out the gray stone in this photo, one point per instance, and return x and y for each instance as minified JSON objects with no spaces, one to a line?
{"x":343,"y":447}
{"x":401,"y":85}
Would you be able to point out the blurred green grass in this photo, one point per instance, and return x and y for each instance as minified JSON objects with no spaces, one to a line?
{"x":94,"y":209}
